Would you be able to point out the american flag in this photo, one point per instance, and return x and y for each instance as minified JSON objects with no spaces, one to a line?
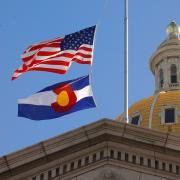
{"x":58,"y":54}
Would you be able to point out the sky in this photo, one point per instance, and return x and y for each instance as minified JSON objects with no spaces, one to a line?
{"x":24,"y":22}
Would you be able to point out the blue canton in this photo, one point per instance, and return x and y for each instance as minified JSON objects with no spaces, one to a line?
{"x":75,"y":40}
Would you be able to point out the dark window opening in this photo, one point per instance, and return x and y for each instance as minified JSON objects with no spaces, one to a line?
{"x":173,"y":73}
{"x":177,"y":169}
{"x":170,"y":167}
{"x":170,"y":115}
{"x":112,"y":154}
{"x":72,"y":166}
{"x":86,"y":160}
{"x":149,"y":163}
{"x":135,"y":120}
{"x":57,"y":171}
{"x":156,"y":164}
{"x":79,"y":163}
{"x":161,"y":78}
{"x":134,"y":159}
{"x":42,"y":177}
{"x":141,"y":161}
{"x":163,"y":166}
{"x":119,"y":155}
{"x":49,"y":174}
{"x":161,"y":83}
{"x":173,"y":79}
{"x":94,"y":157}
{"x":64,"y":169}
{"x":34,"y":178}
{"x":101,"y":154}
{"x":126,"y":157}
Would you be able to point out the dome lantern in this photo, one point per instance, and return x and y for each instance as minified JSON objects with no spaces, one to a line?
{"x":173,"y":30}
{"x":165,"y":62}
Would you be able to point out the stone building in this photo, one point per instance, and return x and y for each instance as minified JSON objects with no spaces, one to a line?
{"x":148,"y":148}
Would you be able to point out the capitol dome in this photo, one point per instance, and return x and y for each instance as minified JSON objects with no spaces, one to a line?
{"x":161,"y":111}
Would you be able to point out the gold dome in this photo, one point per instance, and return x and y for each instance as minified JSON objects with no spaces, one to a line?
{"x":151,"y":111}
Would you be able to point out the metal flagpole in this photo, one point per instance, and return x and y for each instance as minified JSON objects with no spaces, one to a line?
{"x":126,"y":62}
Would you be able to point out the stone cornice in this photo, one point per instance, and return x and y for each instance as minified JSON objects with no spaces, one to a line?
{"x":100,"y":131}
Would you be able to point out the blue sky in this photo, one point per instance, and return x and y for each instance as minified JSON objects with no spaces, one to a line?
{"x":23,"y":23}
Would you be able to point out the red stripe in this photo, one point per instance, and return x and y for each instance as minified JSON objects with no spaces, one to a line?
{"x":55,"y":44}
{"x":24,"y":68}
{"x":53,"y":40}
{"x":68,"y":55}
{"x":52,"y":62}
{"x":85,"y":48}
{"x":84,"y":55}
{"x":20,"y":71}
{"x":56,"y":63}
{"x":35,"y":47}
{"x":59,"y":71}
{"x":80,"y":61}
{"x":26,"y":59}
{"x":47,"y":53}
{"x":13,"y":78}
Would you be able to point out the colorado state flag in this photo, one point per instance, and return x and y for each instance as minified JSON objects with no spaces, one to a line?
{"x":58,"y":100}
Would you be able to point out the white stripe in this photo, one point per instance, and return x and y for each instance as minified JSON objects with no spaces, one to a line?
{"x":29,"y":53}
{"x":50,"y":49}
{"x":84,"y":51}
{"x":82,"y":93}
{"x":86,"y":45}
{"x":50,"y":66}
{"x":16,"y":74}
{"x":46,"y":98}
{"x":20,"y":68}
{"x":29,"y":62}
{"x":57,"y":54}
{"x":83,"y":59}
{"x":46,"y":57}
{"x":43,"y":98}
{"x":70,"y":51}
{"x":61,"y":58}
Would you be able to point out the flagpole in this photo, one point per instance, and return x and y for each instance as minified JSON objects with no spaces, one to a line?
{"x":126,"y":62}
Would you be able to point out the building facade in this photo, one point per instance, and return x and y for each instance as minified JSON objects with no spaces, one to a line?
{"x":104,"y":150}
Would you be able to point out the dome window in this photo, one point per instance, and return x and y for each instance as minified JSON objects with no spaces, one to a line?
{"x":170,"y":115}
{"x":135,"y":120}
{"x":161,"y":78}
{"x":173,"y":73}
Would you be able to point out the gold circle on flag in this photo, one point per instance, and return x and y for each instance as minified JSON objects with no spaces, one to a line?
{"x":63,"y":98}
